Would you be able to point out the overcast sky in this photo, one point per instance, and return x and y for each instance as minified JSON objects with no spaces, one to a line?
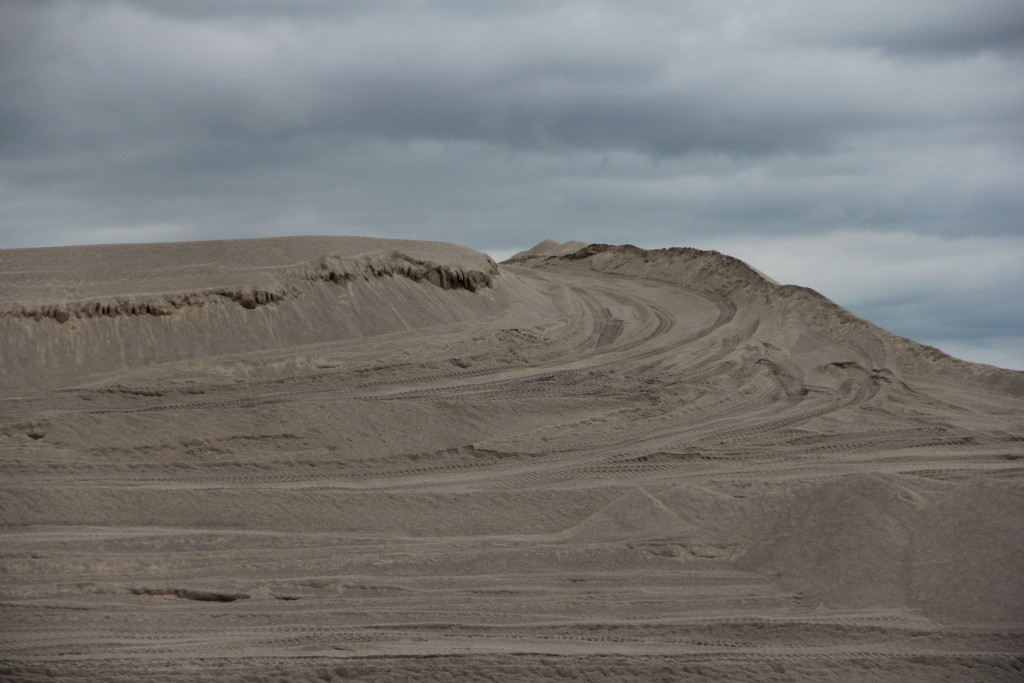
{"x":872,"y":150}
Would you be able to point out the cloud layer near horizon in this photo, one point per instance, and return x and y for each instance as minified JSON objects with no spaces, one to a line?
{"x":871,"y":150}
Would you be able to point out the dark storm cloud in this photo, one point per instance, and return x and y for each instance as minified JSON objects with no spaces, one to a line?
{"x":911,"y":27}
{"x":499,"y":124}
{"x":561,"y":78}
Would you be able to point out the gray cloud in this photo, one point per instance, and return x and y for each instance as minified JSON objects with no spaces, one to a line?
{"x":912,"y":27}
{"x":562,"y":78}
{"x":962,"y":294}
{"x":500,"y":124}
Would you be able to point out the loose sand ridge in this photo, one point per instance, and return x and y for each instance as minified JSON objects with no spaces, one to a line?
{"x":338,"y":458}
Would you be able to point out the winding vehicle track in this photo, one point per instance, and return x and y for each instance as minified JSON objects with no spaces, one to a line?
{"x":658,"y":332}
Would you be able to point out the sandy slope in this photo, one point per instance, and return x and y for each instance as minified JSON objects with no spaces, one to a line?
{"x":345,"y":458}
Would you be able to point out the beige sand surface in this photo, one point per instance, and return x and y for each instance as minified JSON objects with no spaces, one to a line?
{"x":360,"y":459}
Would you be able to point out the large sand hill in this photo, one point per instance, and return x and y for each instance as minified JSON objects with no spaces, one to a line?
{"x":351,"y":458}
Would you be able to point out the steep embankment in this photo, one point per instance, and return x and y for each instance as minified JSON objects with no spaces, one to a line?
{"x":75,"y":313}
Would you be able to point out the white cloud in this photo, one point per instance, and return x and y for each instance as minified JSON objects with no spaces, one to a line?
{"x":1003,"y":352}
{"x":962,"y":294}
{"x":865,"y":268}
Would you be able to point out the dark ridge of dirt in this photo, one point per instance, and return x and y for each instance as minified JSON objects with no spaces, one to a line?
{"x":188,"y":594}
{"x":334,"y":269}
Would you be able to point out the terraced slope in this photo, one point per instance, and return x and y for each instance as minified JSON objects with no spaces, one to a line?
{"x":341,"y":458}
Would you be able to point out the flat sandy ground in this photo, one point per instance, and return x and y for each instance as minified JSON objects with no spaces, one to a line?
{"x":352,"y":459}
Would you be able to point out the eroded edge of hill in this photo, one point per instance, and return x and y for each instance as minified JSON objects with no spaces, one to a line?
{"x":293,"y":281}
